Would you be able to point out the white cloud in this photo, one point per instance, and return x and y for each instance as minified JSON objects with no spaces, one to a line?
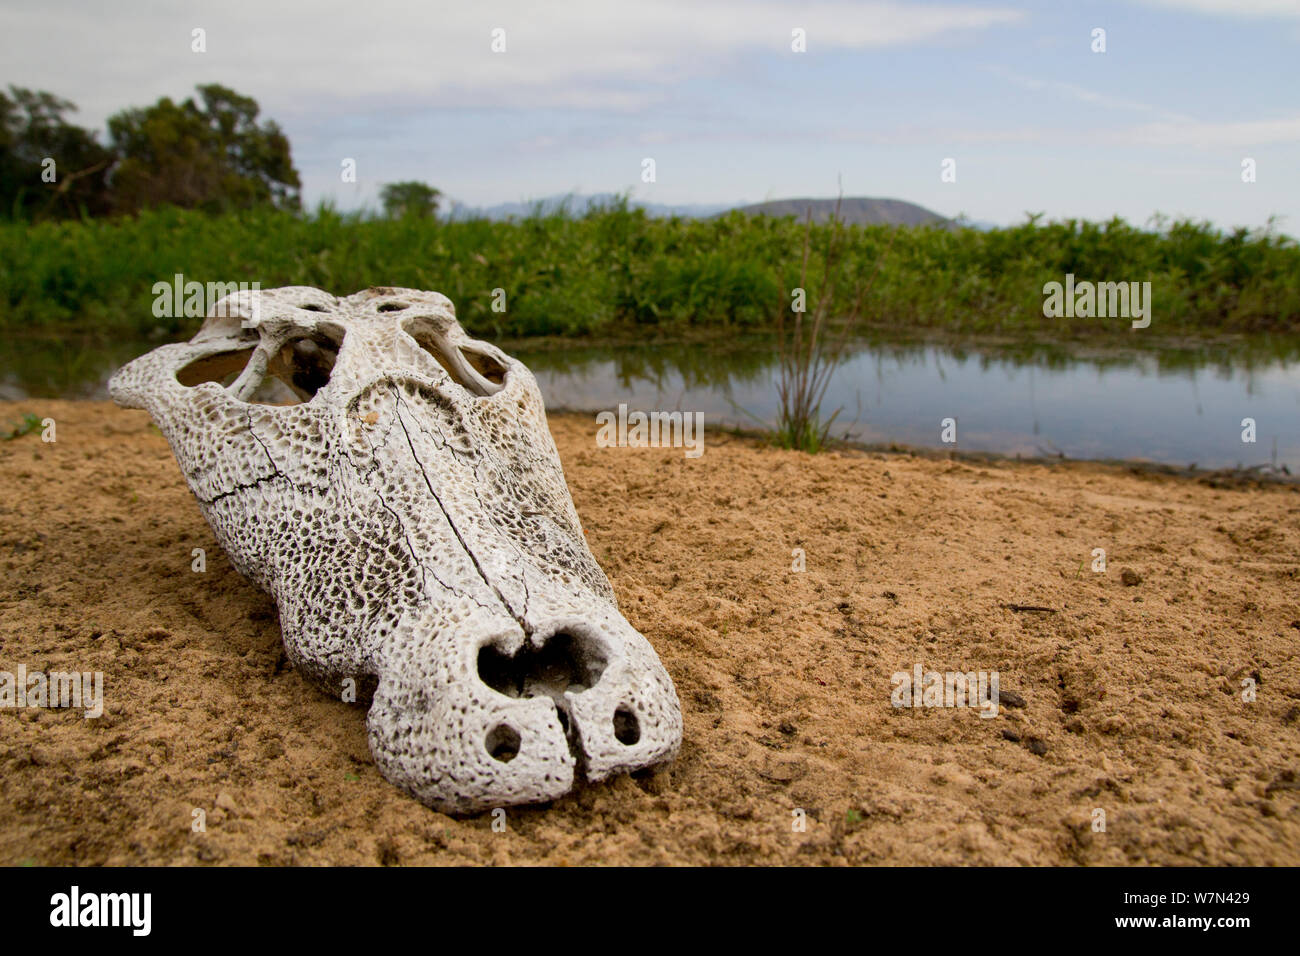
{"x":1183,"y":135}
{"x":1168,"y":128}
{"x":1209,"y":135}
{"x":1084,"y":95}
{"x":1253,"y":9}
{"x":403,"y":55}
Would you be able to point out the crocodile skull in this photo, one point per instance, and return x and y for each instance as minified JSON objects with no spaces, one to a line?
{"x":393,"y":485}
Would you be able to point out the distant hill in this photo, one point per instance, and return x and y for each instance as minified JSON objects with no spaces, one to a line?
{"x":854,"y":211}
{"x":578,"y":205}
{"x":857,"y":210}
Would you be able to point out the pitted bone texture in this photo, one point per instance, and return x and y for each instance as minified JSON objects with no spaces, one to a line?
{"x":393,"y":485}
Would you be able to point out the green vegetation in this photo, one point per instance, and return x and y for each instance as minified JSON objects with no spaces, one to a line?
{"x":410,"y":198}
{"x":48,"y":167}
{"x":811,"y":351}
{"x":615,"y":272}
{"x":31,"y":423}
{"x":211,"y":154}
{"x":206,"y":189}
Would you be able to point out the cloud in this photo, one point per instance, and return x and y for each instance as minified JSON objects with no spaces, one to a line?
{"x":408,"y":55}
{"x":1209,"y":135}
{"x":1084,"y":95}
{"x":1182,"y":135}
{"x":1168,"y":129}
{"x":1244,"y":9}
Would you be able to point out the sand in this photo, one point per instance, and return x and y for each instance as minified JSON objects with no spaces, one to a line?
{"x":1123,"y":699}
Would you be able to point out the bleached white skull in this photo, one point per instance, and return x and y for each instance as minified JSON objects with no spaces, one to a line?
{"x":393,"y":485}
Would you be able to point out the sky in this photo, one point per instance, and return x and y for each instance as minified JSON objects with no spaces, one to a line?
{"x":1033,"y":118}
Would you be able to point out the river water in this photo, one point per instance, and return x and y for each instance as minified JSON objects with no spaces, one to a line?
{"x":1174,"y":407}
{"x":1177,"y":407}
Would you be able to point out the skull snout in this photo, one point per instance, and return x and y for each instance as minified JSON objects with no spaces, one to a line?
{"x":583,"y":670}
{"x":528,"y":716}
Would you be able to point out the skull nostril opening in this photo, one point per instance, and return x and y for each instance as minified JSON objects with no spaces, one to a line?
{"x":502,"y":743}
{"x":393,"y":307}
{"x":565,"y":663}
{"x":311,"y":307}
{"x":627,"y":730}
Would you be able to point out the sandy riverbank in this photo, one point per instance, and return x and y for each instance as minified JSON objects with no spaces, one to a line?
{"x":1124,"y":697}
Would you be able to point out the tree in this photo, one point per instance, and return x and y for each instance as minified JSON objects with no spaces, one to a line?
{"x":410,"y":199}
{"x":212,"y":155}
{"x":48,"y":166}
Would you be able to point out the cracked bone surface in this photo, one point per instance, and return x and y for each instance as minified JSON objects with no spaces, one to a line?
{"x":393,"y":485}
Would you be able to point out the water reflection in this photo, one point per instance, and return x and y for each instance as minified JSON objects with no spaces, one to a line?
{"x":1179,"y":406}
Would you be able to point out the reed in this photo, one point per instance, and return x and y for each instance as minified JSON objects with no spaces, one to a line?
{"x":812,"y":348}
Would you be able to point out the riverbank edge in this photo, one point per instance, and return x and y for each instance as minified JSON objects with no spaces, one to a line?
{"x":12,"y":412}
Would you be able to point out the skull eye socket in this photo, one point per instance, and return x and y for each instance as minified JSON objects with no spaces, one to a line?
{"x":308,"y":363}
{"x":290,"y":376}
{"x":222,"y":368}
{"x":470,"y":367}
{"x":485,"y":365}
